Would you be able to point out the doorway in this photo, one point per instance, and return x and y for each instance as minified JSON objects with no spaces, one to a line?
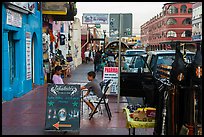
{"x":33,"y":45}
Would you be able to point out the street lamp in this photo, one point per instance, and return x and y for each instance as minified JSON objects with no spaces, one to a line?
{"x":104,"y":32}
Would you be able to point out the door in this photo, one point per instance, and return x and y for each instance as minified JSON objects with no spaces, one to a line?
{"x":136,"y":79}
{"x":12,"y":59}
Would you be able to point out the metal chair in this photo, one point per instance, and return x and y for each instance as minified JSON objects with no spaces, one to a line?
{"x":103,"y":100}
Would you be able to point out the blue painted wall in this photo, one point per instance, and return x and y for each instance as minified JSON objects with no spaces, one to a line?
{"x":30,"y":23}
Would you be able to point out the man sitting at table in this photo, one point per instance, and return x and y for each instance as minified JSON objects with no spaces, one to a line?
{"x":93,"y":86}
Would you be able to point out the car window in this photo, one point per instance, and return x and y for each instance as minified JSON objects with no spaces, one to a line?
{"x":138,"y":65}
{"x":139,"y":62}
{"x":165,"y":59}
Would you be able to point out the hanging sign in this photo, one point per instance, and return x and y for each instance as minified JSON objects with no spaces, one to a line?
{"x":28,"y":56}
{"x":23,"y":7}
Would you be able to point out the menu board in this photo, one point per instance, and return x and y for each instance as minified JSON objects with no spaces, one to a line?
{"x":63,"y":107}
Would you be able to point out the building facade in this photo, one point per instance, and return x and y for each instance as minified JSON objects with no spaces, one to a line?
{"x":22,"y":55}
{"x":197,"y":22}
{"x":173,"y":24}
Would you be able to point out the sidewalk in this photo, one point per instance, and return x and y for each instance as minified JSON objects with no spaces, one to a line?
{"x":79,"y":75}
{"x":26,"y":115}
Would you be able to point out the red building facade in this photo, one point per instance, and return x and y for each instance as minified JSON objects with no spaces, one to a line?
{"x":173,"y":24}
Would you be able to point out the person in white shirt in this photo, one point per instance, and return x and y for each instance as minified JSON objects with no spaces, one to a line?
{"x":86,"y":53}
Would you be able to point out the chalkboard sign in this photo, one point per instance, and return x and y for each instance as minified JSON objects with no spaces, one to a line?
{"x":63,"y":107}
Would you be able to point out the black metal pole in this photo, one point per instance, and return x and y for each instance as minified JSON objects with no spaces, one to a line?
{"x":104,"y":42}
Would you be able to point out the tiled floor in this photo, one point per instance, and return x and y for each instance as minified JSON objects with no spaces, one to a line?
{"x":26,"y":115}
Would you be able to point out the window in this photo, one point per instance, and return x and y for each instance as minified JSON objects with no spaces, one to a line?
{"x":183,"y":9}
{"x":172,"y":10}
{"x":190,"y":10}
{"x":171,"y":34}
{"x":187,"y":21}
{"x":186,"y":33}
{"x":171,"y":21}
{"x":11,"y":56}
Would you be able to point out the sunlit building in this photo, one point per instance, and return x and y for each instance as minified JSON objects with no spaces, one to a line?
{"x":173,"y":24}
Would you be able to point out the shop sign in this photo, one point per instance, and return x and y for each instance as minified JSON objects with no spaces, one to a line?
{"x":13,"y":18}
{"x":97,"y":18}
{"x":111,"y":73}
{"x":27,"y":6}
{"x":28,"y":56}
{"x":54,"y":8}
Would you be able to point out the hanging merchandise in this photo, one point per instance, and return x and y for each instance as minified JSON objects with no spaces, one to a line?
{"x":51,"y":47}
{"x":69,"y":58}
{"x":62,"y":39}
{"x":58,"y":37}
{"x":52,"y":38}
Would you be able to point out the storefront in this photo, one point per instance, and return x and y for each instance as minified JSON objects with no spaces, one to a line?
{"x":22,"y":58}
{"x":58,"y":45}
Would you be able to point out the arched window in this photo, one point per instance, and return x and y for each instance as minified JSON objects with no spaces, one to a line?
{"x":183,"y":9}
{"x":172,"y":10}
{"x":171,"y":21}
{"x":186,"y":33}
{"x":190,"y":10}
{"x":171,"y":34}
{"x":187,"y":21}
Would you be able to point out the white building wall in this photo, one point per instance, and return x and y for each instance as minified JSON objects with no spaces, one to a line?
{"x":197,"y":21}
{"x":76,"y":42}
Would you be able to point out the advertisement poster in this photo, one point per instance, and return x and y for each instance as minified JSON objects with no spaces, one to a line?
{"x":63,"y":107}
{"x":28,"y":56}
{"x":111,"y":73}
{"x":13,"y":18}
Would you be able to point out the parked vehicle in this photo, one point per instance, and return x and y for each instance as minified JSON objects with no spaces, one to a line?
{"x":141,"y":77}
{"x":162,"y":58}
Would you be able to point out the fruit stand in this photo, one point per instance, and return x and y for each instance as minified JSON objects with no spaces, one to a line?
{"x":132,"y":124}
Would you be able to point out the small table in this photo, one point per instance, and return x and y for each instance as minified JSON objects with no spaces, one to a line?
{"x":132,"y":124}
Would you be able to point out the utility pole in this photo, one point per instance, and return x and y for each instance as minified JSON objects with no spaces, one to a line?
{"x":119,"y":62}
